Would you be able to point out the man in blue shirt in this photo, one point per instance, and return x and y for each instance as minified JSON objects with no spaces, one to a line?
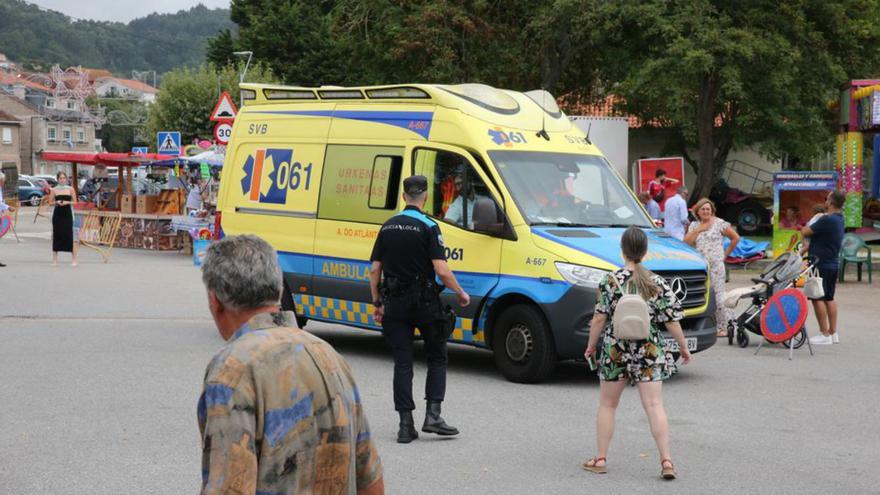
{"x":651,"y":205}
{"x":826,"y":236}
{"x":675,"y":216}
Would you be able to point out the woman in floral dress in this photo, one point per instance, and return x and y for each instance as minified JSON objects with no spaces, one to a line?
{"x":643,"y":363}
{"x":707,"y":235}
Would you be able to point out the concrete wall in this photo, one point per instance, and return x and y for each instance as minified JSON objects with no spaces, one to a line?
{"x":609,"y":134}
{"x":29,"y":118}
{"x":33,"y":135}
{"x":10,"y":152}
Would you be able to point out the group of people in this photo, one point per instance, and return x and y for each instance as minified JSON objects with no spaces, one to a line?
{"x":62,"y":196}
{"x":706,"y":233}
{"x":276,"y":393}
{"x":280,"y":410}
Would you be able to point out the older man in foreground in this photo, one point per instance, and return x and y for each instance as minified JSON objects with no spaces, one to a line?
{"x":280,"y":412}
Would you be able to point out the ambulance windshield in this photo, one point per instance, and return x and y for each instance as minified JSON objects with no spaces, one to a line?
{"x":565,"y":189}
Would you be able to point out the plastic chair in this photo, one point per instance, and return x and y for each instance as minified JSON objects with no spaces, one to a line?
{"x":855,"y":250}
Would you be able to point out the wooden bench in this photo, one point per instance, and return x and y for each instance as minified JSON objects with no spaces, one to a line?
{"x":99,"y":231}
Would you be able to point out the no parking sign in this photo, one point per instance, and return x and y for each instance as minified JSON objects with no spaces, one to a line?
{"x":784,"y":315}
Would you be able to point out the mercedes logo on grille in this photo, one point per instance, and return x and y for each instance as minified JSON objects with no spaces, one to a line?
{"x":679,"y":288}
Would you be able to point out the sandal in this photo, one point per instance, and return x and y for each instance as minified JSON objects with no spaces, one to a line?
{"x":667,"y":473}
{"x":592,"y":465}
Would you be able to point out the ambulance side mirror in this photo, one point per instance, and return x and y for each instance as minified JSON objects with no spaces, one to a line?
{"x":488,"y":218}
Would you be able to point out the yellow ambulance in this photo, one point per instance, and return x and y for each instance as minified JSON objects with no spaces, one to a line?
{"x":531,"y":212}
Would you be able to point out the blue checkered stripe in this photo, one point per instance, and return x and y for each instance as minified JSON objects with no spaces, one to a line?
{"x":361,"y":314}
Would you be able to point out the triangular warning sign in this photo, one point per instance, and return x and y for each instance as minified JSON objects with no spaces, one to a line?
{"x":168,"y":145}
{"x":224,"y":110}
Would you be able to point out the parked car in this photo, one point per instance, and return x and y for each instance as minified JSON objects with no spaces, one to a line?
{"x":42,"y":181}
{"x":30,"y":190}
{"x":50,"y":179}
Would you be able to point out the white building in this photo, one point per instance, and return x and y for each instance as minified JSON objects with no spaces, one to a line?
{"x":116,"y":87}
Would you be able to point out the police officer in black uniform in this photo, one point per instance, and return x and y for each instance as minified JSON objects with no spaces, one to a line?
{"x":409,"y":253}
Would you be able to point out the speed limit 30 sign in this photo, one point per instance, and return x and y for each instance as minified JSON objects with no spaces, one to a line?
{"x":222,"y":132}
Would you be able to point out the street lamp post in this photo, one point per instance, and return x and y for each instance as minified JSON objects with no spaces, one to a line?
{"x":247,"y":64}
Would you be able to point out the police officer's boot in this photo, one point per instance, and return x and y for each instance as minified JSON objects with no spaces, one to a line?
{"x":407,"y":432}
{"x":434,"y":423}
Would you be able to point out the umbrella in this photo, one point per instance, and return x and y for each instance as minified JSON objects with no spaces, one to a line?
{"x":210,"y":157}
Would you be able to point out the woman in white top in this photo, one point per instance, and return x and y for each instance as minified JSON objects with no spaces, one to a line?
{"x":195,"y":197}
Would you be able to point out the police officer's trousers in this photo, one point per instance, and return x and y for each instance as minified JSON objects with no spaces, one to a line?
{"x":402,"y":316}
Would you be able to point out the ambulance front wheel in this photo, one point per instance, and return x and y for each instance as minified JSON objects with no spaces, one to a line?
{"x":287,"y":305}
{"x":523,"y":345}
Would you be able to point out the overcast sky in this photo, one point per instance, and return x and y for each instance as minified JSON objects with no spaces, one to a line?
{"x":122,"y":10}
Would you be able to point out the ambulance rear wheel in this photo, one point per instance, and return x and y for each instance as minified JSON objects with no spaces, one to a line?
{"x":523,"y":345}
{"x":287,"y":305}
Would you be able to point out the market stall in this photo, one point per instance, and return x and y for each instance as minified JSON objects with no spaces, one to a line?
{"x":200,"y":171}
{"x":795,"y":196}
{"x":146,"y":213}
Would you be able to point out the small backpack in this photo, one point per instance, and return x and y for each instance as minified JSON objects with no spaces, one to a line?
{"x":631,"y":319}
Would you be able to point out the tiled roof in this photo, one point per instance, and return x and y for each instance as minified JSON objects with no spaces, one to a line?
{"x":609,"y":106}
{"x":12,"y":79}
{"x":5,"y":117}
{"x":95,"y":74}
{"x":132,"y":84}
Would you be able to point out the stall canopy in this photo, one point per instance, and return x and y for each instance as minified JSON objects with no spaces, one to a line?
{"x":125,"y":162}
{"x":109,"y":159}
{"x":210,"y":158}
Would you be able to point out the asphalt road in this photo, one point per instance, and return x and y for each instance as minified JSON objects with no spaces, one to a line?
{"x":101,"y":368}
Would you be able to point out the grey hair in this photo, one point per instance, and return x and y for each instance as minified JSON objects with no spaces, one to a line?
{"x":243,"y":272}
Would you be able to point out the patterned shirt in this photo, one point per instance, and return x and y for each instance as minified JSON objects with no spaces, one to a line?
{"x":280,"y":414}
{"x":636,"y":360}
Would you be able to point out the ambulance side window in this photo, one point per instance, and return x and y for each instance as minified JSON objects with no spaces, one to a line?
{"x":455,"y":187}
{"x":360,"y":183}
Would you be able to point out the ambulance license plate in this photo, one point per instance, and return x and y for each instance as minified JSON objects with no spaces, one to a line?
{"x":672,"y":345}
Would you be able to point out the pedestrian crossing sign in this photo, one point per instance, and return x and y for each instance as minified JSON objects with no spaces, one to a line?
{"x":168,"y":143}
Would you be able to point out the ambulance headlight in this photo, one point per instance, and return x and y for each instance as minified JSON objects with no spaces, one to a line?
{"x":580,"y":275}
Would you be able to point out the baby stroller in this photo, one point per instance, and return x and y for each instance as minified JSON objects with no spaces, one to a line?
{"x":783,"y":273}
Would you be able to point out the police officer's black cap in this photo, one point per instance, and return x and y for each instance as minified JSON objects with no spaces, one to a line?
{"x":415,"y":185}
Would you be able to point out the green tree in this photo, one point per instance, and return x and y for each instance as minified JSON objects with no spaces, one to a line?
{"x":388,"y":41}
{"x":721,"y":75}
{"x":41,"y":38}
{"x":187,"y":97}
{"x":125,"y":122}
{"x":291,"y":37}
{"x":220,"y":48}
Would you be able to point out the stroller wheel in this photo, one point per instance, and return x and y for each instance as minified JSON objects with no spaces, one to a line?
{"x":799,"y":339}
{"x":742,"y":338}
{"x":731,"y":330}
